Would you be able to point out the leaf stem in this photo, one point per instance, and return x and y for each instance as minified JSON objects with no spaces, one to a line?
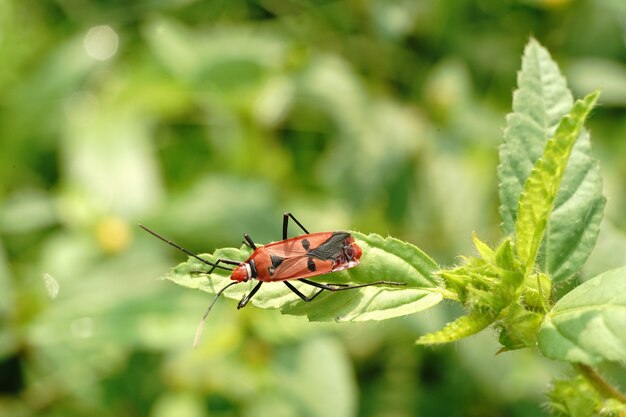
{"x":600,"y":383}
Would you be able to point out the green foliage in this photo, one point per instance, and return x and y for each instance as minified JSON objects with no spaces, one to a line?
{"x":577,"y":397}
{"x":552,"y":204}
{"x":574,"y":397}
{"x":491,"y":286}
{"x":513,"y":290}
{"x":382,"y":257}
{"x":485,"y":286}
{"x":566,"y":214}
{"x":509,"y":288}
{"x":210,"y":119}
{"x":501,"y":286}
{"x":542,"y":185}
{"x":462,"y":327}
{"x":539,"y":103}
{"x":586,"y":325}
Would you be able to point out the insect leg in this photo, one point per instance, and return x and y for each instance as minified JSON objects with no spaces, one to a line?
{"x":340,"y":287}
{"x":248,"y":297}
{"x":201,"y":272}
{"x":286,"y":217}
{"x":224,"y":261}
{"x":216,"y":265}
{"x":299,"y":294}
{"x":248,"y":241}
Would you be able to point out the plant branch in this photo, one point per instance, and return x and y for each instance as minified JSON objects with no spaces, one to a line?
{"x":600,"y":383}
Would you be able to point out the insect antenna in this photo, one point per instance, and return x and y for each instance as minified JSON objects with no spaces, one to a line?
{"x":196,"y":339}
{"x":169,"y":242}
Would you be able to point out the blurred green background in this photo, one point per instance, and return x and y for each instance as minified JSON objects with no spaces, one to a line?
{"x":208,"y":119}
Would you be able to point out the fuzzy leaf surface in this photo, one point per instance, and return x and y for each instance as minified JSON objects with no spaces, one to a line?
{"x":541,"y":100}
{"x":540,"y":189}
{"x":587,"y":324}
{"x":460,"y":328}
{"x":386,"y":259}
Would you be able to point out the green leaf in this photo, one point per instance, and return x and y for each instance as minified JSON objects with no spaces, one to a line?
{"x":587,"y":324}
{"x":485,"y":286}
{"x":537,"y":291}
{"x":518,"y":327}
{"x":574,"y":224}
{"x":540,"y":101}
{"x":538,"y":105}
{"x":483,"y":249}
{"x":540,"y":189}
{"x":578,"y":397}
{"x":386,"y":259}
{"x":463,"y":326}
{"x":574,"y":397}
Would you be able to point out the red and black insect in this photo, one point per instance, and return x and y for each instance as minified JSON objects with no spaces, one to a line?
{"x":296,"y":258}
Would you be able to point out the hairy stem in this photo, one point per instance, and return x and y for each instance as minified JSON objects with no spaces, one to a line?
{"x":600,"y":383}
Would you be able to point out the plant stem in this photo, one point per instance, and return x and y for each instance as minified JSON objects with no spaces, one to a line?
{"x":601,"y":384}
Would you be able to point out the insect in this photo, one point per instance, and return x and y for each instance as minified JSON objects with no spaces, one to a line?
{"x":296,"y":258}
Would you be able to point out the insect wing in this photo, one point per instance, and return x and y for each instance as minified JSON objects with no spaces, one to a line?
{"x":333,"y":247}
{"x":297,"y":246}
{"x":306,"y":256}
{"x":301,"y":267}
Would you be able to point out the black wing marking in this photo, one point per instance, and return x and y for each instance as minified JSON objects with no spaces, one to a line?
{"x":276,"y":260}
{"x":330,"y":249}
